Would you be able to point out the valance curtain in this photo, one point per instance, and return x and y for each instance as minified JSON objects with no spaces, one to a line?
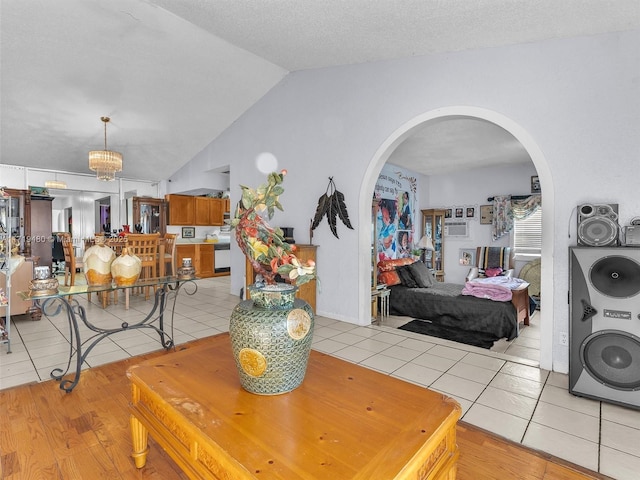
{"x":506,"y":209}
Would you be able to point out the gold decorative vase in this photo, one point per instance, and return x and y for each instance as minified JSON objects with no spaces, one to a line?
{"x":97,"y":263}
{"x":126,"y":269}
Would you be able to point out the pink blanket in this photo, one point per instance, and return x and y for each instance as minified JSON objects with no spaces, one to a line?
{"x":499,"y":293}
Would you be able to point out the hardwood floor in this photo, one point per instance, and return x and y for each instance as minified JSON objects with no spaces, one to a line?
{"x":48,"y":434}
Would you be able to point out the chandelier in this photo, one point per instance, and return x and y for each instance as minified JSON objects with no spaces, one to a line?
{"x":105,"y":162}
{"x":55,"y":184}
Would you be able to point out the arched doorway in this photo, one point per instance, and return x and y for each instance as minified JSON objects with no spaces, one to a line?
{"x":544,"y":173}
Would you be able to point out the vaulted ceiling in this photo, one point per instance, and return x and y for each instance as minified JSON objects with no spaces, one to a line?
{"x":174,"y":74}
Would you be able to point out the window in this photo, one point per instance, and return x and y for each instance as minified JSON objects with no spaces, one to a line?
{"x":527,"y":234}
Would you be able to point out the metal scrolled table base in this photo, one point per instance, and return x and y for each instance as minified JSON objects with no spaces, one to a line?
{"x":165,"y":295}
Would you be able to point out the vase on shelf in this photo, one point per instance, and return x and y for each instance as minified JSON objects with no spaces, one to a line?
{"x":271,"y":336}
{"x":97,"y":263}
{"x":126,"y":269}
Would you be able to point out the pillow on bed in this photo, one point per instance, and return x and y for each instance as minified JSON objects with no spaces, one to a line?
{"x":406,"y":277}
{"x":421,"y":274}
{"x":389,"y":278}
{"x":387,"y":270}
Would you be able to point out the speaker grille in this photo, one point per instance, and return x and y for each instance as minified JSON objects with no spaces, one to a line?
{"x":616,"y":276}
{"x":598,"y":231}
{"x":612,"y":357}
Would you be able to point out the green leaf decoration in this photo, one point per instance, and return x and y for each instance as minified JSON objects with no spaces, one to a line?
{"x":331,"y":204}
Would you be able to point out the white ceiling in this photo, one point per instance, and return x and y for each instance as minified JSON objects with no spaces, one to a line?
{"x":174,"y":74}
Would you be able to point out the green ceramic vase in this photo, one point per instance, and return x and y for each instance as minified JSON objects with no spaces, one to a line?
{"x":271,"y":338}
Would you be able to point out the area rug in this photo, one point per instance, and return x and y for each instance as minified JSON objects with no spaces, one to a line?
{"x":478,"y":339}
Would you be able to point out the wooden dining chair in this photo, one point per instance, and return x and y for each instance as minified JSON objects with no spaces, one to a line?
{"x":170,"y":252}
{"x":145,"y":247}
{"x":71,"y":262}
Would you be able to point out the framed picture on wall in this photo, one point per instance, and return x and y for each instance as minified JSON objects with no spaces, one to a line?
{"x":467,"y":256}
{"x":535,"y":184}
{"x":470,"y":212}
{"x":188,"y":232}
{"x":486,"y":214}
{"x":459,"y":212}
{"x":447,"y":213}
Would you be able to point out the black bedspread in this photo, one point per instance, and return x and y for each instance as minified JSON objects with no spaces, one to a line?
{"x":444,"y":304}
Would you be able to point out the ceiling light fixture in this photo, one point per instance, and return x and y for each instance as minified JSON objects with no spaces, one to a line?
{"x":105,"y":162}
{"x":55,"y":184}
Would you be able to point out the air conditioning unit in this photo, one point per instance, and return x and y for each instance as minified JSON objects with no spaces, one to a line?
{"x":456,"y":229}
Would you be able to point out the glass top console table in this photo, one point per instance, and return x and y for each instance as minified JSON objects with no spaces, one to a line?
{"x":63,"y":302}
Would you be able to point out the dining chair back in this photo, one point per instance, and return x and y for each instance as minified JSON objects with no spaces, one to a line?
{"x":71,"y":262}
{"x":170,"y":253}
{"x":145,"y":247}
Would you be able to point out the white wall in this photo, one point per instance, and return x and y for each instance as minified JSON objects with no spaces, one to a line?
{"x":577,"y":102}
{"x":473,"y":187}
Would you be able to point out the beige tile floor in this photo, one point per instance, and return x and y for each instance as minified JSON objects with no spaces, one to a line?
{"x":507,"y":395}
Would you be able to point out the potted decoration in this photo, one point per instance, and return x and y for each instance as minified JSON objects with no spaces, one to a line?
{"x":271,"y":333}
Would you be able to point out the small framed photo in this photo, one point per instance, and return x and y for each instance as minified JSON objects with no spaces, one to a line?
{"x":447,"y":213}
{"x":471,"y":212}
{"x":486,"y":214}
{"x":459,"y":212}
{"x":467,"y":256}
{"x":535,"y":184}
{"x":188,"y":232}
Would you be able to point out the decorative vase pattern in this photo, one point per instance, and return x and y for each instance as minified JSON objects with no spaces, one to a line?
{"x":97,"y":263}
{"x":271,"y":338}
{"x":126,"y":269}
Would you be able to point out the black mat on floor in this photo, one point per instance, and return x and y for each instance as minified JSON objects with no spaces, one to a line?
{"x":478,"y":339}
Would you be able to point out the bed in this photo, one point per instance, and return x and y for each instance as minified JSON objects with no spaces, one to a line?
{"x":417,"y":295}
{"x":444,"y":304}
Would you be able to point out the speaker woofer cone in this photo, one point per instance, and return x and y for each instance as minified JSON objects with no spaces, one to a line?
{"x":612,"y":357}
{"x":598,"y":231}
{"x":616,"y":276}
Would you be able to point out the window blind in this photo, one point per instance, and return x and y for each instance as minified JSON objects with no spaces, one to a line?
{"x":528,"y":234}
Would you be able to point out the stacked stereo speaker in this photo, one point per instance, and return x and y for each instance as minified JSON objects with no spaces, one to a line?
{"x":598,"y":225}
{"x":604,"y":348}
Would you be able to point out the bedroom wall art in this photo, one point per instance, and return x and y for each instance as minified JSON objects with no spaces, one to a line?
{"x":396,"y":190}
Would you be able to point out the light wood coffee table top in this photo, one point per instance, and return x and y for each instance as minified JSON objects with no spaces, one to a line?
{"x":343,"y":422}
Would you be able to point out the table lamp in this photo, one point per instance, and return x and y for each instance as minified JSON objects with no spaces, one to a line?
{"x":424,"y":244}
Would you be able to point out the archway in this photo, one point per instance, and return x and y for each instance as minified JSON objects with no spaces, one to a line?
{"x":405,"y":131}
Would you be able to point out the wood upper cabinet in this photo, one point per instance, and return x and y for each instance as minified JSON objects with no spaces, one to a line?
{"x":216,"y":211}
{"x":182,"y":209}
{"x":188,"y":210}
{"x":202,"y":207}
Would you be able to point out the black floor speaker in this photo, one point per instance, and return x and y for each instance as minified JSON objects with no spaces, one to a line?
{"x":604,"y":337}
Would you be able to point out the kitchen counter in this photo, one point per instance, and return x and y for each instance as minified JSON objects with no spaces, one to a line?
{"x":194,"y":241}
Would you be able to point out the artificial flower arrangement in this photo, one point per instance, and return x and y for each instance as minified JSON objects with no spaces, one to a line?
{"x":262,"y":244}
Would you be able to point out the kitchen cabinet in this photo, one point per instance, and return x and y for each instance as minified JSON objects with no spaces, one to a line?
{"x":202,"y":208}
{"x":149,"y":215}
{"x":201,"y":255}
{"x":307,"y":291}
{"x":216,"y":211}
{"x":203,"y":211}
{"x":182,"y":209}
{"x":206,"y":256}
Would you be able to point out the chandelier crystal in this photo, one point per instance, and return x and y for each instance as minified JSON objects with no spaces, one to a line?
{"x":105,"y":162}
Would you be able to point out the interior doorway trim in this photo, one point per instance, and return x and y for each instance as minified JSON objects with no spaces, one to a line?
{"x":382,"y":155}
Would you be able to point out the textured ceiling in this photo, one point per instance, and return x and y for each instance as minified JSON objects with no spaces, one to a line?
{"x":174,"y":74}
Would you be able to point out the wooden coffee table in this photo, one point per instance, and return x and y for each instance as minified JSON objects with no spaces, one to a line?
{"x":343,"y":422}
